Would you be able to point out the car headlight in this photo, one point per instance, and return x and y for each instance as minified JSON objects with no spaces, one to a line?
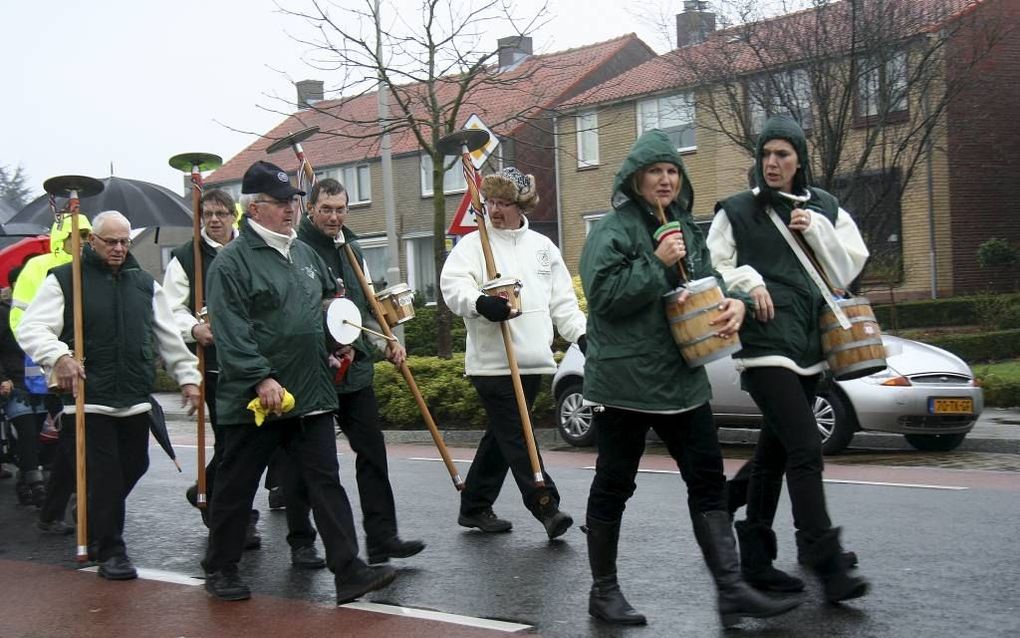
{"x":887,"y":377}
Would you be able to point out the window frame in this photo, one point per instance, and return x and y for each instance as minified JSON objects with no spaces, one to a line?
{"x":790,"y":80}
{"x":353,"y":186}
{"x":876,"y":72}
{"x":426,"y":176}
{"x":586,"y":132}
{"x":691,"y":125}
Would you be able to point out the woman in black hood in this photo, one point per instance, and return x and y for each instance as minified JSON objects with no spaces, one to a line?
{"x":782,"y":361}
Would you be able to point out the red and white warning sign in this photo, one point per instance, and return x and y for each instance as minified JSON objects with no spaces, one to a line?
{"x":464,"y":219}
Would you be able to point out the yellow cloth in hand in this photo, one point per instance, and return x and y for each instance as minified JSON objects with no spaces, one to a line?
{"x":260,"y":413}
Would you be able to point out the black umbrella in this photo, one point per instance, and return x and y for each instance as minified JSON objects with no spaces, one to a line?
{"x":145,"y":204}
{"x":15,"y":229}
{"x":157,"y":425}
{"x":6,"y":211}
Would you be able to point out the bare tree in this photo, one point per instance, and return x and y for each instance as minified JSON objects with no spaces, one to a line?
{"x":436,"y":70}
{"x":869,"y":80}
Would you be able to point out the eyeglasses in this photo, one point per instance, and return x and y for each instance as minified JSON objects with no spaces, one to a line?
{"x":222,"y":214}
{"x":126,"y":243}
{"x":497,"y":203}
{"x":328,"y":211}
{"x":281,"y":203}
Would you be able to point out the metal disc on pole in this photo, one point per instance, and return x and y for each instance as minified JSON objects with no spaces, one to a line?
{"x":185,"y":162}
{"x":292,"y":139}
{"x":65,"y":185}
{"x":454,"y":143}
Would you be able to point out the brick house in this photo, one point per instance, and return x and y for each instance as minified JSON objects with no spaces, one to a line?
{"x":948,"y":201}
{"x":519,"y":113}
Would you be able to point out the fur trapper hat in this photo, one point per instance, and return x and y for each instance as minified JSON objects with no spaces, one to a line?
{"x":513,"y":186}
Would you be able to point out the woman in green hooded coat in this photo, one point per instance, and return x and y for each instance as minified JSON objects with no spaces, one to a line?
{"x":637,"y":379}
{"x":781,"y":361}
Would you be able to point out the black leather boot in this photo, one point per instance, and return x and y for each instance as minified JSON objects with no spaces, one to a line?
{"x":606,"y":601}
{"x":757,"y":551}
{"x":736,"y":599}
{"x":826,"y":559}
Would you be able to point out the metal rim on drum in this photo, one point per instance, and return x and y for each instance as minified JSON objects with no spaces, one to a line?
{"x":394,"y":290}
{"x":340,"y":315}
{"x":715,"y":354}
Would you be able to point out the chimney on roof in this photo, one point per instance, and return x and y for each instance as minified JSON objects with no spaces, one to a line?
{"x":308,"y":93}
{"x":513,"y":50}
{"x":694,"y":24}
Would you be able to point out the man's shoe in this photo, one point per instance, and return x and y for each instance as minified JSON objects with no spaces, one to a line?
{"x":117,"y":568}
{"x":364,"y":579}
{"x":484,"y":520}
{"x":276,"y":501}
{"x":226,"y":585}
{"x":55,"y":528}
{"x":252,"y":539}
{"x":306,"y":558}
{"x":557,"y":523}
{"x":393,"y":548}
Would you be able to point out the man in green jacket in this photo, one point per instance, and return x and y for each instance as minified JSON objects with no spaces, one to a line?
{"x":265,"y":299}
{"x":358,"y":415}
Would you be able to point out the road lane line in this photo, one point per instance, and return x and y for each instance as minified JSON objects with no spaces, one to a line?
{"x":160,"y":575}
{"x":424,"y":614}
{"x":426,"y":458}
{"x":922,"y":486}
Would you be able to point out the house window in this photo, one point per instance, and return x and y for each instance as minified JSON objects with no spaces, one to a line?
{"x":356,"y":180}
{"x":781,"y":93}
{"x":674,"y":115}
{"x":421,"y":268}
{"x":377,"y":259}
{"x":453,"y":178}
{"x":882,"y":85}
{"x":589,"y":222}
{"x":587,"y":139}
{"x":873,"y":200}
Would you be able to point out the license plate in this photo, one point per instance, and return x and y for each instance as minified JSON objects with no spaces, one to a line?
{"x":950,"y":406}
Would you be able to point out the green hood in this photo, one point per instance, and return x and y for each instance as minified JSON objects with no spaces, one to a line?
{"x":783,"y":127}
{"x":652,"y":147}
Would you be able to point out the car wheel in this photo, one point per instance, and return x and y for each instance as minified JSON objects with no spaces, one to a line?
{"x":574,"y":418}
{"x":935,"y":442}
{"x":835,"y":422}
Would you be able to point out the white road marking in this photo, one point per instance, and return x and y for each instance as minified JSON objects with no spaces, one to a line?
{"x":922,"y":486}
{"x":424,"y":614}
{"x":426,"y":458}
{"x":160,"y":575}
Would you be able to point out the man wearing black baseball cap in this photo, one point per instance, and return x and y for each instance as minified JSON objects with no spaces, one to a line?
{"x":265,"y":299}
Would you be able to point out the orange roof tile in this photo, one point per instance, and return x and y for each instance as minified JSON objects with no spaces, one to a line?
{"x":538,"y":83}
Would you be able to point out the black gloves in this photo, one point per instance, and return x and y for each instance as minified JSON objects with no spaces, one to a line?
{"x":582,"y":344}
{"x":493,"y":308}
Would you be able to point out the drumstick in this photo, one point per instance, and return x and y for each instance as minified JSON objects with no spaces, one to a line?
{"x":662,"y":220}
{"x":370,"y":331}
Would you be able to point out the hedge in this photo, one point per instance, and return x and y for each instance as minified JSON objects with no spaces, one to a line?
{"x":977,"y":348}
{"x":1002,"y":311}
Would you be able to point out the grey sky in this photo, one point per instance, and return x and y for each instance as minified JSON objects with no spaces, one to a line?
{"x":133,"y":83}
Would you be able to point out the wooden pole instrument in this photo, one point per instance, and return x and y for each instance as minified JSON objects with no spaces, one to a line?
{"x":196,"y":164}
{"x":75,"y":187}
{"x":463,"y":143}
{"x":293,"y":141}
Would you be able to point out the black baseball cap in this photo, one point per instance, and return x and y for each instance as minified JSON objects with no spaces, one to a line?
{"x":269,"y":179}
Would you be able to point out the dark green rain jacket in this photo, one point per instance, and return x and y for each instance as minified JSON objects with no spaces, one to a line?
{"x":632,"y":361}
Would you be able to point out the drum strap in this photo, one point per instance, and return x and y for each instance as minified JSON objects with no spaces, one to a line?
{"x":809,"y":267}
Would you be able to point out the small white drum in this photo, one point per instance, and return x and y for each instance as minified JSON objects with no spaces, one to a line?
{"x":397,"y":304}
{"x":689,"y":322}
{"x":343,"y":321}
{"x":508,"y":288}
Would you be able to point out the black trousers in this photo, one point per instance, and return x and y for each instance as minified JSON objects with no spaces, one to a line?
{"x":116,"y":457}
{"x":28,"y":427}
{"x":62,"y":479}
{"x":789,"y":442}
{"x":311,"y":443}
{"x":502,"y":448}
{"x":691,"y":440}
{"x":211,"y":381}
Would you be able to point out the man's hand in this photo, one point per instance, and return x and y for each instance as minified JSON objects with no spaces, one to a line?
{"x":763,"y":308}
{"x":270,"y":395}
{"x":493,"y":308}
{"x":731,"y":317}
{"x":395,"y":353}
{"x":190,"y":397}
{"x":202,"y":332}
{"x":67,"y":372}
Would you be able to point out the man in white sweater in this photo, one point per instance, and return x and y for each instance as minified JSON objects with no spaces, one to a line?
{"x":547,"y":299}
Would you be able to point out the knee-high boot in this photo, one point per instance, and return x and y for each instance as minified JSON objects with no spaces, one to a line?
{"x":757,"y":551}
{"x":736,"y":598}
{"x":825,"y":557}
{"x":606,"y":601}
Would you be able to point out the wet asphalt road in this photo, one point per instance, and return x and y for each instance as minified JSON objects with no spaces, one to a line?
{"x":939,"y":546}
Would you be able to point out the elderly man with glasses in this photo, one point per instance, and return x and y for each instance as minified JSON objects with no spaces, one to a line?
{"x":126,"y":323}
{"x":265,"y":296}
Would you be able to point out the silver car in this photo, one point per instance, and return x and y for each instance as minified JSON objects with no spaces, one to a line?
{"x":926,"y":394}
